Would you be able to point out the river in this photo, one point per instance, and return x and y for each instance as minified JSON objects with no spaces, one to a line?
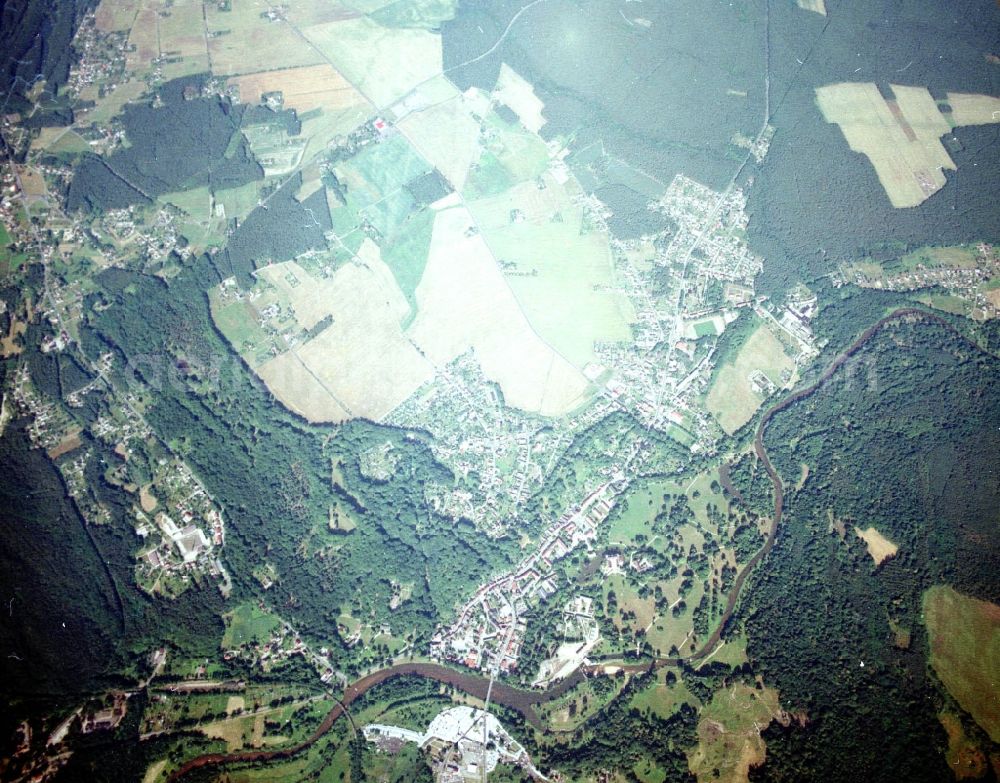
{"x":524,"y":701}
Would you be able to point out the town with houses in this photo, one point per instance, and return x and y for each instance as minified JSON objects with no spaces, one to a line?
{"x":686,"y":286}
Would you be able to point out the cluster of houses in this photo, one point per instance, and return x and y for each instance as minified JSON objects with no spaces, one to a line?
{"x":489,"y":630}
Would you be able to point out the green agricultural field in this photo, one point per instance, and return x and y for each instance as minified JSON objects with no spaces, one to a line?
{"x":429,"y":14}
{"x":558,"y":268}
{"x":247,"y":624}
{"x":487,"y":177}
{"x":523,"y":154}
{"x":407,"y":255}
{"x":389,"y":214}
{"x":965,"y":652}
{"x":379,"y":170}
{"x":196,"y":202}
{"x":239,"y":202}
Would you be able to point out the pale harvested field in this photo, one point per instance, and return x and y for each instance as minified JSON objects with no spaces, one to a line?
{"x":363,"y":358}
{"x":32,"y":182}
{"x":147,"y":500}
{"x":968,"y":109}
{"x":360,"y":365}
{"x":901,"y":140}
{"x":464,"y":302}
{"x":293,"y":384}
{"x":306,"y":88}
{"x":383,"y":63}
{"x":144,"y":38}
{"x":816,"y":6}
{"x":518,"y":95}
{"x":560,"y":272}
{"x":115,"y":15}
{"x":234,"y":703}
{"x":445,"y":132}
{"x":732,"y":399}
{"x":229,"y":730}
{"x":879,"y":547}
{"x":173,"y":29}
{"x":254,"y":43}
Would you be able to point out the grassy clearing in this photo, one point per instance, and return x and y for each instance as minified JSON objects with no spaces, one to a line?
{"x":967,"y":109}
{"x":965,"y":652}
{"x":732,"y":398}
{"x":965,"y":757}
{"x":111,"y":105}
{"x":729,"y":740}
{"x":879,"y":547}
{"x":239,"y":202}
{"x":661,"y":698}
{"x":816,"y":6}
{"x":247,"y":624}
{"x":901,"y":139}
{"x":196,"y":202}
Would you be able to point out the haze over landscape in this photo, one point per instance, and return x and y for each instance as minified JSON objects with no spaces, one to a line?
{"x":466,"y":390}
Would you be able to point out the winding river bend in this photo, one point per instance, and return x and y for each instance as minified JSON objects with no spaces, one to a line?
{"x":525,"y":701}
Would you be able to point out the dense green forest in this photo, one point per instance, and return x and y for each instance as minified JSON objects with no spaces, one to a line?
{"x":903,"y":438}
{"x":272,"y":472}
{"x":35,"y":40}
{"x":187,"y":142}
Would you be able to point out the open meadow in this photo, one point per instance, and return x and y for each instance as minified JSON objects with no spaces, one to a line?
{"x":733,"y":399}
{"x":965,"y":652}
